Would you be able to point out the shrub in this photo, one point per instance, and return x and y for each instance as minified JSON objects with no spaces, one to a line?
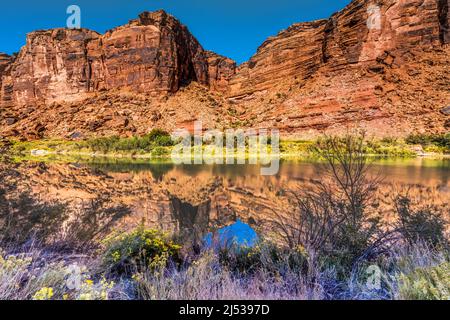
{"x":207,"y":279}
{"x":139,"y":249}
{"x":434,"y":149}
{"x":160,"y":152}
{"x":156,"y":138}
{"x":389,"y":140}
{"x":430,"y":283}
{"x":43,"y":294}
{"x":424,"y":224}
{"x":264,"y":256}
{"x":331,"y":217}
{"x":160,"y":138}
{"x":439,"y":140}
{"x":38,"y":276}
{"x":103,"y":144}
{"x":388,"y":147}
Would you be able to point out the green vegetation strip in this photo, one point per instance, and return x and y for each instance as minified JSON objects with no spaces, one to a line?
{"x":158,"y":144}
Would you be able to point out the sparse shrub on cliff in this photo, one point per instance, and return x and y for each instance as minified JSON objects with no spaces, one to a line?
{"x":139,"y":249}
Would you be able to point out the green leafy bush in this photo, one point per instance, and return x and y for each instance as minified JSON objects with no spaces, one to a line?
{"x":160,"y":138}
{"x":156,"y":138}
{"x":431,"y":283}
{"x":160,"y":152}
{"x":102,"y":144}
{"x":434,"y":149}
{"x":438,"y":140}
{"x":139,"y":249}
{"x":388,"y":147}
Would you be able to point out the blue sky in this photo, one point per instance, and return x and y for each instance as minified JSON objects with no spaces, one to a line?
{"x":234,"y":28}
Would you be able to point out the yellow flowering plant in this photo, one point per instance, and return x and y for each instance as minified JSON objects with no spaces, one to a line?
{"x":141,"y":248}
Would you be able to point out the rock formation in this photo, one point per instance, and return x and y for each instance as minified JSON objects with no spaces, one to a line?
{"x":5,"y":61}
{"x":154,"y":53}
{"x":378,"y":65}
{"x":360,"y":34}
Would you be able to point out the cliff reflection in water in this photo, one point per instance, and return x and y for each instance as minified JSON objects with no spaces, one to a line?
{"x":79,"y":202}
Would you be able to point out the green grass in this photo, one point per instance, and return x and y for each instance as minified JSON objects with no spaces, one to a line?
{"x":158,"y":144}
{"x":426,"y":283}
{"x":438,"y":143}
{"x":145,"y":144}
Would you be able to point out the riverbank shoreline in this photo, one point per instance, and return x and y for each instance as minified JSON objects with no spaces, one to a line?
{"x":159,"y":146}
{"x":42,"y":154}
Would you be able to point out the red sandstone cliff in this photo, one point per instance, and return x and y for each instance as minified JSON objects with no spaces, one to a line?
{"x":153,"y":54}
{"x":380,"y":65}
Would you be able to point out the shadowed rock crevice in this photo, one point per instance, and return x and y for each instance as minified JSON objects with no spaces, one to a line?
{"x":444,"y":24}
{"x":191,"y":217}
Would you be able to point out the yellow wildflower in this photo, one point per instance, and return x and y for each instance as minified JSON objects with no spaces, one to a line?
{"x":43,"y":294}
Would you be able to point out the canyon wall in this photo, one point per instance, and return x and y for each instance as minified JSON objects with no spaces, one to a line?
{"x":154,"y":54}
{"x":360,"y":33}
{"x":5,"y":62}
{"x":379,"y":65}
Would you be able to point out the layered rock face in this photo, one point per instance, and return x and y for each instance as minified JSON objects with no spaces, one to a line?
{"x":361,"y":33}
{"x":220,"y":70}
{"x":378,"y":65}
{"x":51,"y":66}
{"x":5,"y":61}
{"x":153,"y":54}
{"x":294,"y":53}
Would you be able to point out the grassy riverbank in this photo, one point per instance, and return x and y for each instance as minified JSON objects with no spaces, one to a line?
{"x":408,"y":272}
{"x":158,"y":145}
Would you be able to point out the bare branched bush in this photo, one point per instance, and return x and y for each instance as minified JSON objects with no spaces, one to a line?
{"x":423,"y":224}
{"x":332,"y":216}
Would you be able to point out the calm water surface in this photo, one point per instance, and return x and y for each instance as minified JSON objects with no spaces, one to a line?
{"x":101,"y":195}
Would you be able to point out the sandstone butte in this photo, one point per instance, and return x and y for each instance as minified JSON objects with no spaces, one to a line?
{"x":325,"y":76}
